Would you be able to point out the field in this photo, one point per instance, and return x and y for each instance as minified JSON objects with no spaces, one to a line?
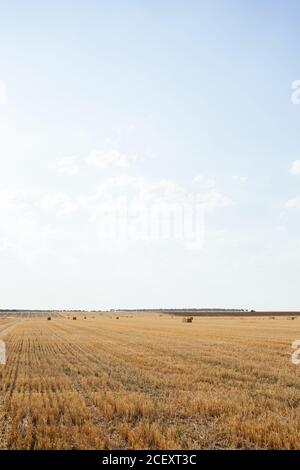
{"x":148,"y":381}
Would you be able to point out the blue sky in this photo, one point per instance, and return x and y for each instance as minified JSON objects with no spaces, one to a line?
{"x":107,"y":99}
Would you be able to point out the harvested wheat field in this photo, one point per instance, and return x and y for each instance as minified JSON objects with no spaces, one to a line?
{"x":149,"y":381}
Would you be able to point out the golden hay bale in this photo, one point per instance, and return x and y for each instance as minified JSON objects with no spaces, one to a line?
{"x":188,"y":319}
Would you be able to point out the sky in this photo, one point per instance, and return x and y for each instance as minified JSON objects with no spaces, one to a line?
{"x":149,"y":154}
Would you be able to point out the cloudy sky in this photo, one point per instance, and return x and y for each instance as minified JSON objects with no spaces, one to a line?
{"x":110,"y":110}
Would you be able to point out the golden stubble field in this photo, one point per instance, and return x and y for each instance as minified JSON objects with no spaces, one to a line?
{"x":147,"y":381}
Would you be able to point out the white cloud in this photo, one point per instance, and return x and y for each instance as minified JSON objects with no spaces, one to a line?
{"x":293,"y":203}
{"x":20,"y":231}
{"x":135,"y":190}
{"x":240,"y":179}
{"x":208,"y":193}
{"x":295,"y":168}
{"x":68,"y":165}
{"x":3,"y":93}
{"x":214,"y":199}
{"x":143,"y":191}
{"x":204,"y":181}
{"x":110,"y":159}
{"x":57,"y":201}
{"x":136,"y":209}
{"x":34,"y":222}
